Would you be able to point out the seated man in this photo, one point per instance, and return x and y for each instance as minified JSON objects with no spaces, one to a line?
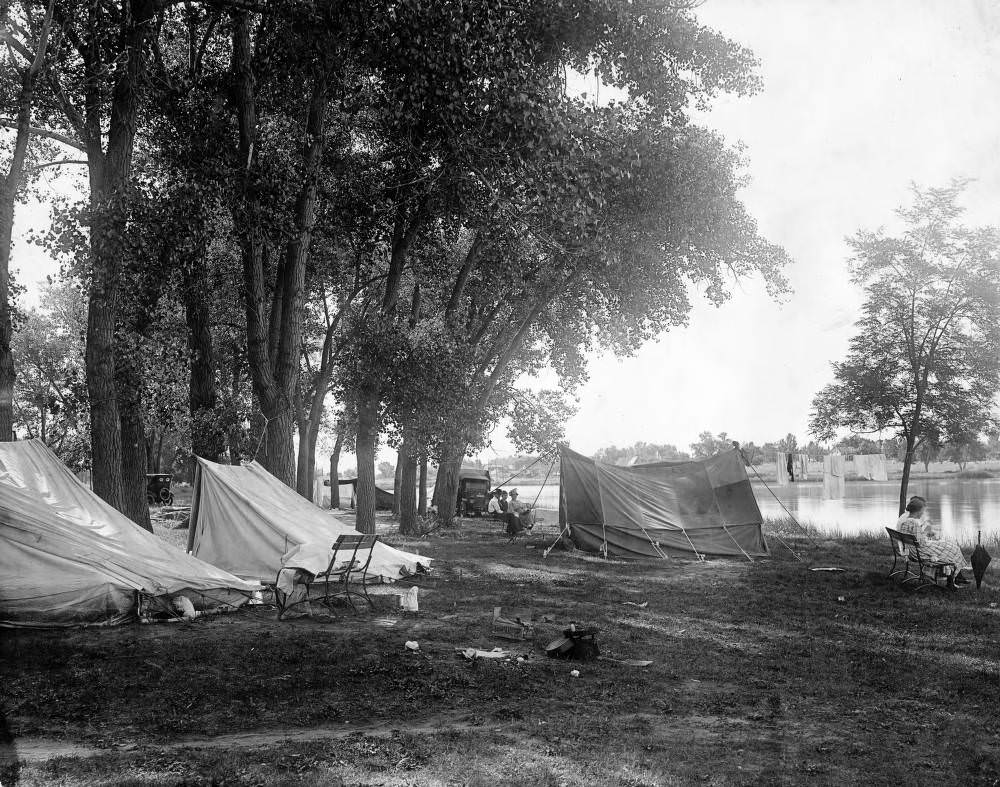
{"x":493,"y":507}
{"x":916,"y":522}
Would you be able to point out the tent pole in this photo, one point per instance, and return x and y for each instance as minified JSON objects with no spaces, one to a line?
{"x":193,"y":516}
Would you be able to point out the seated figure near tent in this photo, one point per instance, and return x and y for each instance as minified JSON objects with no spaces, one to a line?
{"x":518,"y":517}
{"x":493,"y":506}
{"x":916,"y":522}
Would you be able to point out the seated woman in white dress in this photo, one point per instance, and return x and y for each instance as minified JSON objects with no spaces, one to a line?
{"x":916,"y":522}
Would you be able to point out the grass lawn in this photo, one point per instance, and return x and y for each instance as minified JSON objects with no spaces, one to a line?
{"x":763,"y":673}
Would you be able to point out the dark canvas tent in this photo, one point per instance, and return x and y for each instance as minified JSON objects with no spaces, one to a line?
{"x":653,"y":510}
{"x":383,"y":500}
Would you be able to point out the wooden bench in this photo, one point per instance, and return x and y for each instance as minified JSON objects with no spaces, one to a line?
{"x":352,"y":555}
{"x":906,"y":550}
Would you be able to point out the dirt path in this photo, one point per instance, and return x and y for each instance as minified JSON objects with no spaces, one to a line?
{"x":41,"y":749}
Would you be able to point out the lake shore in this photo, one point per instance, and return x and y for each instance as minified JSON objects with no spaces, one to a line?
{"x":761,"y":673}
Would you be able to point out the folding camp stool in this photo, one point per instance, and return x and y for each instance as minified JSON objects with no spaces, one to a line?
{"x":352,"y":554}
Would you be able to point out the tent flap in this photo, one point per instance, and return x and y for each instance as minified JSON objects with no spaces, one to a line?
{"x":248,"y":519}
{"x":706,"y":507}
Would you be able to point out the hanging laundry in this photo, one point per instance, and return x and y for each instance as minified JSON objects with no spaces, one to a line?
{"x":781,"y":466}
{"x":876,"y":463}
{"x":871,"y":467}
{"x":802,"y":463}
{"x":833,"y":476}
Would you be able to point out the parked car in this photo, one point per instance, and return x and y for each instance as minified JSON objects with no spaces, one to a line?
{"x":473,"y":491}
{"x":158,"y":489}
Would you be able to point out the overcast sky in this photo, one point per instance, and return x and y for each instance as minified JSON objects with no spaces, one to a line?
{"x":860,"y":98}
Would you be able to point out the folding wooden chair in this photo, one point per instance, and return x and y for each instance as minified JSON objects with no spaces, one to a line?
{"x":352,"y":554}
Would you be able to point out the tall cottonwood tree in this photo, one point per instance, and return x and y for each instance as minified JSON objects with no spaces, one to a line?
{"x":30,"y":47}
{"x":925,"y":362}
{"x":94,"y":84}
{"x":483,"y":131}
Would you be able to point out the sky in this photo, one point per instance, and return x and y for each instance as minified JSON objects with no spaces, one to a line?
{"x":860,"y":98}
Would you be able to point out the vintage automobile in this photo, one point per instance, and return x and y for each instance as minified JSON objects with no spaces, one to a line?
{"x":158,"y":489}
{"x":473,"y":491}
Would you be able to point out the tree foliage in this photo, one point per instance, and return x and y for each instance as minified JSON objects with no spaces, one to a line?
{"x":925,"y":362}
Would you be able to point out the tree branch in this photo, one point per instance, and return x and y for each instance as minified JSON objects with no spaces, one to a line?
{"x":37,"y":167}
{"x":48,"y":133}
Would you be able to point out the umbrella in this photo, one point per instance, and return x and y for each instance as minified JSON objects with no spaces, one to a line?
{"x":980,"y":560}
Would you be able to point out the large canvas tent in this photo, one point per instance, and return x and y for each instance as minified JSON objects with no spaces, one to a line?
{"x":244,"y":520}
{"x":654,"y":510}
{"x":68,"y":558}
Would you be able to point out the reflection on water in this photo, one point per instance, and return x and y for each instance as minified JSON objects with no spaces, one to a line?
{"x":960,"y":507}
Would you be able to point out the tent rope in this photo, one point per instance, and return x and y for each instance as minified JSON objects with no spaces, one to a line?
{"x":724,"y":527}
{"x":552,"y":546}
{"x":545,"y":480}
{"x":785,"y":545}
{"x":778,"y":499}
{"x":525,"y":470}
{"x":697,"y":554}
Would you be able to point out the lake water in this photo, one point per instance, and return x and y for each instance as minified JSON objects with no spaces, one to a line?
{"x":959,"y":507}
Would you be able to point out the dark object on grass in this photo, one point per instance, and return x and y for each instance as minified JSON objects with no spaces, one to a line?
{"x":980,"y":560}
{"x":516,"y":625}
{"x":158,"y":489}
{"x":576,"y":644}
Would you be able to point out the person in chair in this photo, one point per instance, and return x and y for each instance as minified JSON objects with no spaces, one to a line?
{"x":916,"y":522}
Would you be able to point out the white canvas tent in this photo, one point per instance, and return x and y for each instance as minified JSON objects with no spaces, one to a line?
{"x":243,"y":519}
{"x":68,"y":558}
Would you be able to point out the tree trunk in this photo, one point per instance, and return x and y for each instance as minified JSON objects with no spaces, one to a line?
{"x":235,"y":444}
{"x":905,"y":481}
{"x":367,"y":436}
{"x":304,"y":468}
{"x":105,"y":420}
{"x":133,"y":433}
{"x":234,"y":434}
{"x":277,"y":454}
{"x":307,"y":446}
{"x":397,"y":481}
{"x":110,"y":173}
{"x":7,"y":201}
{"x":406,"y":494}
{"x":207,"y":434}
{"x":446,"y":486}
{"x":422,"y":486}
{"x":335,"y":470}
{"x":274,"y":340}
